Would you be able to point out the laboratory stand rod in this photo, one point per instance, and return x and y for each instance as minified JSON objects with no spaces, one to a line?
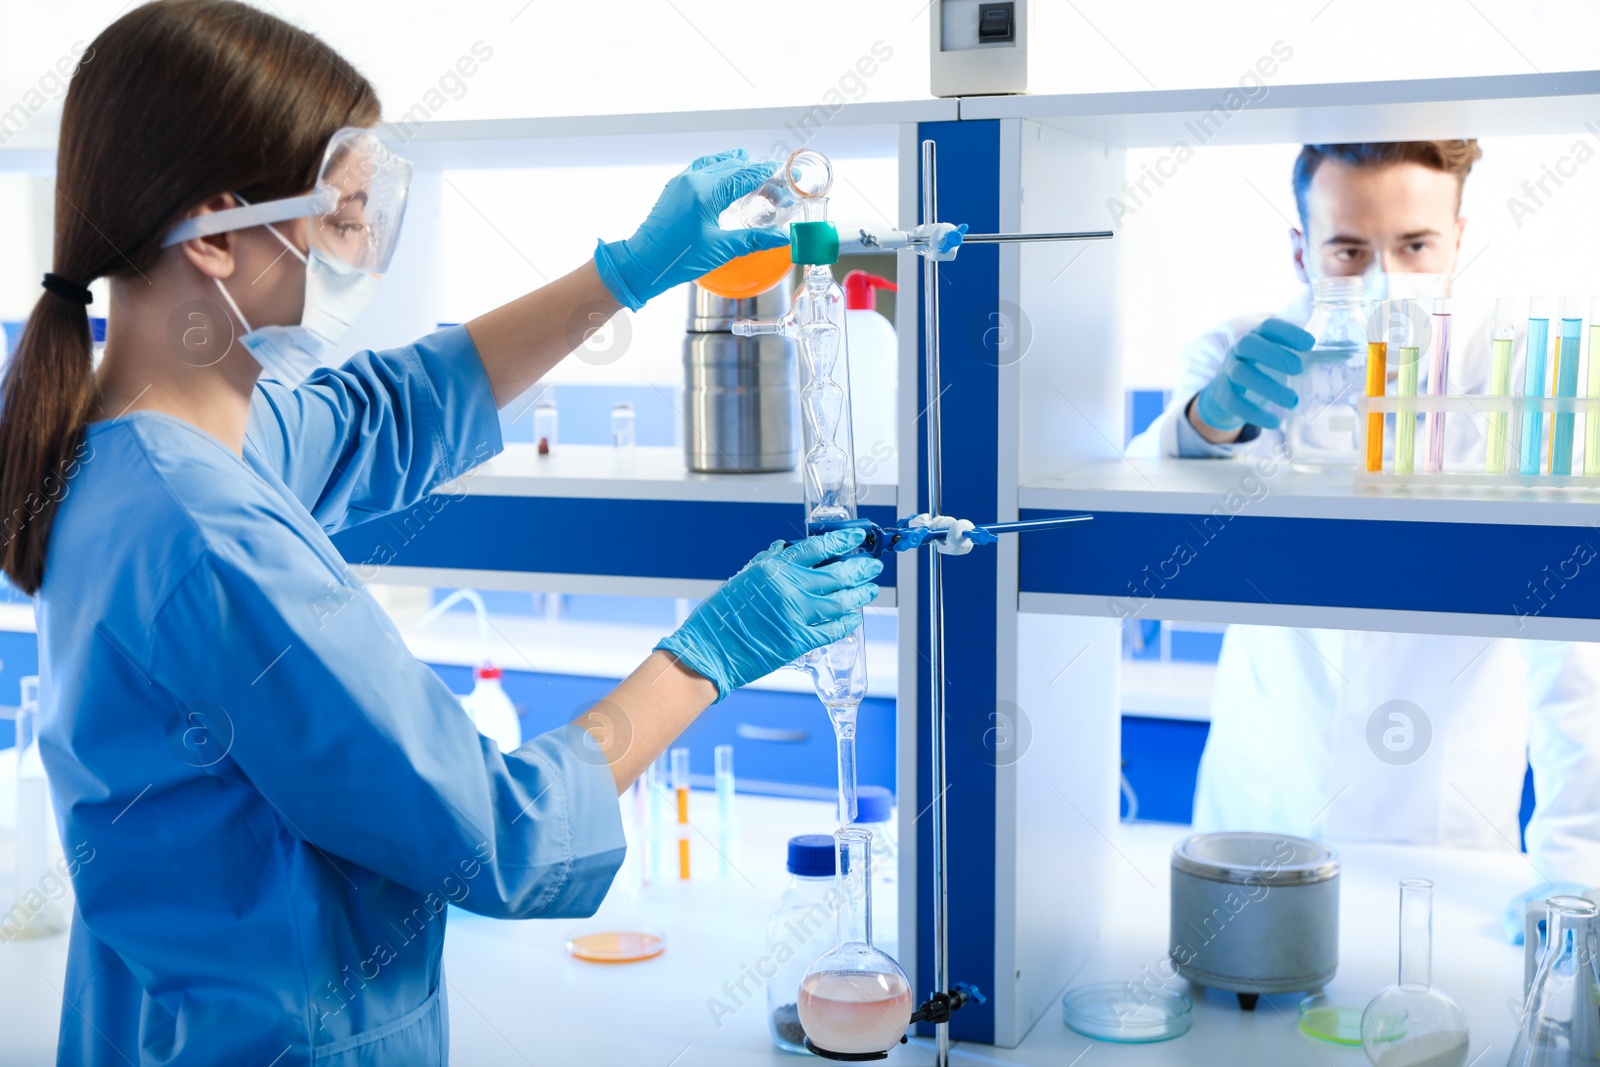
{"x":930,"y":288}
{"x":1018,"y":238}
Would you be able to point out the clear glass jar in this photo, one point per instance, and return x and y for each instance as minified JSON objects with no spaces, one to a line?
{"x":1321,"y":431}
{"x":800,"y":930}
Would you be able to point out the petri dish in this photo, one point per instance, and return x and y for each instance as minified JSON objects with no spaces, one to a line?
{"x":617,"y":946}
{"x":1330,"y":1019}
{"x":1111,"y":1011}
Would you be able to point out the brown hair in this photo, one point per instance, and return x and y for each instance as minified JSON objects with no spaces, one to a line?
{"x":174,"y":103}
{"x":1451,"y":157}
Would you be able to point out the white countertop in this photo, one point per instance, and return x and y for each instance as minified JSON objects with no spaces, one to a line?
{"x":516,"y":998}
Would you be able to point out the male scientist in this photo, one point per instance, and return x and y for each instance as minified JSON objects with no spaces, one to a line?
{"x":1364,"y":736}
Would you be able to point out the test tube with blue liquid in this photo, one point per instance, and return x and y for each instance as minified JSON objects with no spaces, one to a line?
{"x":1535,"y":368}
{"x":1567,"y":356}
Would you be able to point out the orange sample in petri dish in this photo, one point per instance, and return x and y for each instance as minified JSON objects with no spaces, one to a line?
{"x":617,"y":946}
{"x":748,"y":275}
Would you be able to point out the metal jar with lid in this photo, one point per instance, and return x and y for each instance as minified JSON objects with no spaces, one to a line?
{"x":741,"y":399}
{"x":1255,"y":913}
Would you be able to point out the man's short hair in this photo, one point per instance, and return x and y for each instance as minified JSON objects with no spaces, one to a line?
{"x":1450,"y":157}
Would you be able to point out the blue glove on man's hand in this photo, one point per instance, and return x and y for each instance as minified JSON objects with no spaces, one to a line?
{"x":779,"y":607}
{"x":680,"y":240}
{"x":1234,"y":397}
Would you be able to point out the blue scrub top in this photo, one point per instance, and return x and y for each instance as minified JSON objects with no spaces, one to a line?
{"x":267,"y":801}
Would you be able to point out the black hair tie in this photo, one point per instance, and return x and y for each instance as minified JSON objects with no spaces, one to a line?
{"x":68,"y":290}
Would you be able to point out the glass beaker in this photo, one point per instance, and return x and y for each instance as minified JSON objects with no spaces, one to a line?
{"x":1321,"y":430}
{"x":1560,"y":1021}
{"x":36,"y":904}
{"x":855,"y":999}
{"x":806,"y":174}
{"x":1411,"y":1022}
{"x":546,"y":426}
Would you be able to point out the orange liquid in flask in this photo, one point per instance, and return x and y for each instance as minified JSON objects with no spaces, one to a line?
{"x":748,"y":275}
{"x":854,"y":1011}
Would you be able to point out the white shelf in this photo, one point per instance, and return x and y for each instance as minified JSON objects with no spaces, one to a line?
{"x":1510,"y":104}
{"x":654,"y":473}
{"x":853,"y":131}
{"x":1201,"y":486}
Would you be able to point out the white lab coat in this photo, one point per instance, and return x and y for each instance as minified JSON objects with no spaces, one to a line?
{"x":1291,"y":709}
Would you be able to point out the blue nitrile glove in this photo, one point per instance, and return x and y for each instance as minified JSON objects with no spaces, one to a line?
{"x":1234,"y":396}
{"x":781,"y":606}
{"x":680,"y":240}
{"x":1512,"y":923}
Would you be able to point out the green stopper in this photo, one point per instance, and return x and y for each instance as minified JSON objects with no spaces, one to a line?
{"x":811,"y":243}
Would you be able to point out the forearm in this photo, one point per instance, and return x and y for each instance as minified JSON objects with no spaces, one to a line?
{"x":641,"y":717}
{"x":1206,"y":431}
{"x":521,"y":341}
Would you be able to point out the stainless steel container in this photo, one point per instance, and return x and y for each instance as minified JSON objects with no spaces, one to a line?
{"x":741,"y":396}
{"x":1255,"y":913}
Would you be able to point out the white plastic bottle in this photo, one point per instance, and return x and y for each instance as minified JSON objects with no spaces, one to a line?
{"x":874,"y":375}
{"x":492,"y":710}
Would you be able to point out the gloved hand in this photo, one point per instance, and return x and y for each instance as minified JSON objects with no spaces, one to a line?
{"x":1234,"y":396}
{"x":779,"y":607}
{"x":680,"y":240}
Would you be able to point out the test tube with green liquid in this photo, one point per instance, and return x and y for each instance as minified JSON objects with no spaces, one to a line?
{"x":1501,"y":343}
{"x":1535,"y":368}
{"x":1567,"y":356}
{"x":1591,"y":420}
{"x":1408,"y":356}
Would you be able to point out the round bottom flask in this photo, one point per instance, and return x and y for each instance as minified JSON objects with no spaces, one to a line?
{"x":1411,"y":1023}
{"x":855,"y":1000}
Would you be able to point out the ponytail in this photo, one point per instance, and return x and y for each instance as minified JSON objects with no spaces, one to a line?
{"x":48,"y":393}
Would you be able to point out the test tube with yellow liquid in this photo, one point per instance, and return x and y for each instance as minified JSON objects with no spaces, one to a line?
{"x":1502,"y":342}
{"x":680,"y":789}
{"x":1377,"y":380}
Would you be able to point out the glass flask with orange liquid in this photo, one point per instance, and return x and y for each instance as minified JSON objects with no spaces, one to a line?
{"x":804,"y":175}
{"x":855,"y":1000}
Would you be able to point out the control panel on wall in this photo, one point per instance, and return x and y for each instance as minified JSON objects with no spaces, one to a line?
{"x":980,"y":47}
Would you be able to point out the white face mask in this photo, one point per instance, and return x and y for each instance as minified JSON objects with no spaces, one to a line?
{"x":336,"y":294}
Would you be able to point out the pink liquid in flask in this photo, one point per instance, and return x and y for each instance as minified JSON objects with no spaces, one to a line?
{"x":855,"y":1011}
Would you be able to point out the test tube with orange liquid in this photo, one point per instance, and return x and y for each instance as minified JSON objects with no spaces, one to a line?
{"x":680,"y":789}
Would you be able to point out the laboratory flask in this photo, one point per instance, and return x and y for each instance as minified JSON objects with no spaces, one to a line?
{"x":1411,"y":1023}
{"x":1560,"y":1021}
{"x":854,"y":1000}
{"x":797,"y":931}
{"x":804,"y":174}
{"x":1321,"y":430}
{"x":37,"y":903}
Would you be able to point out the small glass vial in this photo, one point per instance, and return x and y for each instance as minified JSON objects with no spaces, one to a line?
{"x":1322,"y":430}
{"x":800,"y":930}
{"x":623,"y":433}
{"x":37,"y":902}
{"x":545,"y":424}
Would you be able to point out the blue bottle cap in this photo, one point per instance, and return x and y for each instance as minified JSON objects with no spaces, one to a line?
{"x":811,"y":855}
{"x":874,"y":803}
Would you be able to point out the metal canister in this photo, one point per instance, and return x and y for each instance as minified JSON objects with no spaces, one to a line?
{"x":741,"y":406}
{"x":1255,"y":913}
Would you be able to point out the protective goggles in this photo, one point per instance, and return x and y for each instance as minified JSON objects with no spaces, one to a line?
{"x":355,"y":209}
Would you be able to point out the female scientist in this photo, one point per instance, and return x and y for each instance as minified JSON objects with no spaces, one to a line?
{"x":276,"y":800}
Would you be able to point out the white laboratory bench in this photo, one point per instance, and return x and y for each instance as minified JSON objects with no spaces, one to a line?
{"x":516,"y":998}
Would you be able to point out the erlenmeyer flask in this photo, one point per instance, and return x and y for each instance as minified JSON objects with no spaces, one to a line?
{"x":855,"y":1000}
{"x":1559,"y":1023}
{"x":1411,"y":1023}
